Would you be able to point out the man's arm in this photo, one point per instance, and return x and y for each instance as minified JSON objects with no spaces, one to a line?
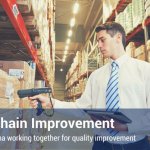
{"x":84,"y":102}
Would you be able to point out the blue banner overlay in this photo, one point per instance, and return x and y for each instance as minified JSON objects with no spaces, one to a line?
{"x":70,"y":129}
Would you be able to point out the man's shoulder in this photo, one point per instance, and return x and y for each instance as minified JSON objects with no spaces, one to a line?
{"x":142,"y":65}
{"x":100,"y":70}
{"x":139,"y":62}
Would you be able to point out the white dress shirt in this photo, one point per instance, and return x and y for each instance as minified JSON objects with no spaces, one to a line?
{"x":134,"y":92}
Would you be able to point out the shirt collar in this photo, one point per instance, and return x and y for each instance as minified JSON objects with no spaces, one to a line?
{"x":120,"y":60}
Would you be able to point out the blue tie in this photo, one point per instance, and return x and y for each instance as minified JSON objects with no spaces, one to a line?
{"x":112,"y":94}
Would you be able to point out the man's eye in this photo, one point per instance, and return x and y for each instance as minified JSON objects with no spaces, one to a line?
{"x":103,"y":40}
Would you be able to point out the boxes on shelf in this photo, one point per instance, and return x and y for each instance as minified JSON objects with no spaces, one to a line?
{"x":140,"y":50}
{"x":138,"y":12}
{"x":78,"y":91}
{"x":100,"y":60}
{"x":16,"y":85}
{"x":128,"y":18}
{"x":21,"y":70}
{"x":84,"y":63}
{"x":24,"y":73}
{"x":74,"y":67}
{"x":8,"y":91}
{"x":141,"y":57}
{"x":92,"y":64}
{"x":130,"y":48}
{"x":82,"y":84}
{"x":44,"y":21}
{"x":77,"y":59}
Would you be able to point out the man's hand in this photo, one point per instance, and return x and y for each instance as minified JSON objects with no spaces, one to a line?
{"x":45,"y":102}
{"x":120,"y":126}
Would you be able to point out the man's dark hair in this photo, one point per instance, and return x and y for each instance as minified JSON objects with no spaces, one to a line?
{"x":112,"y":28}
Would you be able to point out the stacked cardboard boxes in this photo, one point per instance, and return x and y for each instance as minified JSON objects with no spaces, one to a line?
{"x":139,"y":53}
{"x":128,"y":18}
{"x":76,"y":62}
{"x":44,"y":21}
{"x":130,"y":48}
{"x":8,"y":91}
{"x":92,"y":64}
{"x":82,"y":84}
{"x":23,"y":72}
{"x":138,"y":12}
{"x":84,"y":61}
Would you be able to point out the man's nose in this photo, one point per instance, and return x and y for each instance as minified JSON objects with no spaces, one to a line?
{"x":99,"y":45}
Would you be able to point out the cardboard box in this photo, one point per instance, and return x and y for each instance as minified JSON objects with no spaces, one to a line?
{"x":21,"y":70}
{"x":141,"y":57}
{"x":8,"y":91}
{"x":16,"y":68}
{"x":139,"y":51}
{"x":130,"y":48}
{"x":25,"y":74}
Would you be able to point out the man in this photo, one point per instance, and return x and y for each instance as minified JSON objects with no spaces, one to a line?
{"x":121,"y":83}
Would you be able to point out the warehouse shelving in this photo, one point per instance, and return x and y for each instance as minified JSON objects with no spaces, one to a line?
{"x":84,"y":75}
{"x":16,"y":18}
{"x":74,"y":97}
{"x":72,"y":73}
{"x":119,"y":8}
{"x":91,"y":44}
{"x":138,"y":29}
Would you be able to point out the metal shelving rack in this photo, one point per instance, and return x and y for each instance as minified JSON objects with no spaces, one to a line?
{"x":16,"y":19}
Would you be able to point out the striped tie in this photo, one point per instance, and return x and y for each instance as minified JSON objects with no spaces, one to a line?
{"x":112,"y":94}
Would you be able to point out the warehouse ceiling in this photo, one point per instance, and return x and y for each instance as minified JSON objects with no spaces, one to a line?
{"x":11,"y":47}
{"x":90,"y":11}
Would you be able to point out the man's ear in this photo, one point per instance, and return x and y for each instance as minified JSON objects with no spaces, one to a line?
{"x":119,"y":37}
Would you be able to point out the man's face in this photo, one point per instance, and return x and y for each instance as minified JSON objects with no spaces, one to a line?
{"x":106,"y":43}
